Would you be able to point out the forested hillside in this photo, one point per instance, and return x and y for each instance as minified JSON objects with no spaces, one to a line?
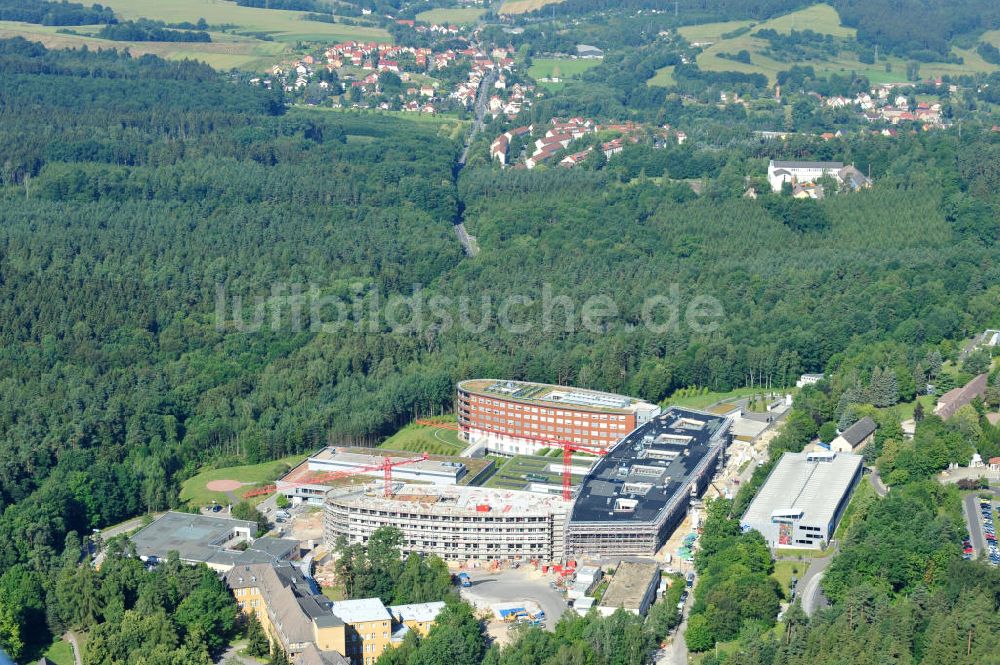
{"x":135,"y":191}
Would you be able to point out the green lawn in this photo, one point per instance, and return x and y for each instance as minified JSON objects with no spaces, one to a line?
{"x":60,"y":653}
{"x":664,"y":77}
{"x":788,"y":552}
{"x":454,"y":15}
{"x":194,"y":492}
{"x":905,"y":409}
{"x":422,"y":439}
{"x":559,"y":67}
{"x":784,"y":571}
{"x":820,"y":18}
{"x":708,"y":399}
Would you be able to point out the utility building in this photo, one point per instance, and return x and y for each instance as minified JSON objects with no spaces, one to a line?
{"x":803,"y":499}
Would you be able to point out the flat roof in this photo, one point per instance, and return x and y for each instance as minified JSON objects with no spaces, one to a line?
{"x":200,"y":538}
{"x":417,"y":611}
{"x":630,"y":584}
{"x":637,"y":479}
{"x":809,"y":484}
{"x":779,"y":164}
{"x":195,"y":537}
{"x":452,"y":500}
{"x":341,"y":456}
{"x":553,"y":396}
{"x":360,"y":610}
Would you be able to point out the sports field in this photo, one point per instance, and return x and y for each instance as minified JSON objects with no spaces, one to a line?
{"x":454,"y":15}
{"x":821,"y":18}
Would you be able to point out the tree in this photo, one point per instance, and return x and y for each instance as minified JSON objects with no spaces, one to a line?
{"x":10,"y":631}
{"x":244,"y":511}
{"x":977,"y":362}
{"x":827,"y":432}
{"x":257,"y":643}
{"x":208,"y":612}
{"x":918,"y":412}
{"x":698,"y":636}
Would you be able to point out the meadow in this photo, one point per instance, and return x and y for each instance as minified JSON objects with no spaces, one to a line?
{"x":559,"y":67}
{"x":820,"y":18}
{"x":238,"y":47}
{"x":524,"y":6}
{"x":451,"y":15}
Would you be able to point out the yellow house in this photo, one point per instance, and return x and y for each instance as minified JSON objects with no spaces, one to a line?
{"x":313,"y":630}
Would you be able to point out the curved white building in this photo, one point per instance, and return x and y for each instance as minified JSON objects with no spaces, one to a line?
{"x":453,"y":522}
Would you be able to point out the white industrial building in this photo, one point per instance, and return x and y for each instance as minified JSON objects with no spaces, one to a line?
{"x":803,"y":499}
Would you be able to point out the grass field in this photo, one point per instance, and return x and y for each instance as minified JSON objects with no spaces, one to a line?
{"x":784,"y":571}
{"x":708,"y":399}
{"x":820,"y":18}
{"x":285,"y":26}
{"x":524,"y":6}
{"x":194,"y":492}
{"x":60,"y":653}
{"x":559,"y":67}
{"x":227,"y":49}
{"x":419,"y":439}
{"x":664,"y":77}
{"x":454,"y":15}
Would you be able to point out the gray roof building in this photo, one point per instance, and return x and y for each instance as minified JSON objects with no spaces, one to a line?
{"x":955,"y":399}
{"x":803,"y":498}
{"x":215,"y":541}
{"x":854,"y":437}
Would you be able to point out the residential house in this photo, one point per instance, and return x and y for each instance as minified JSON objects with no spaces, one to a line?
{"x":855,"y":437}
{"x":955,"y":399}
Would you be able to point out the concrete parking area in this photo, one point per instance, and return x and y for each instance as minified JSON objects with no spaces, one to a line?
{"x":513,"y":586}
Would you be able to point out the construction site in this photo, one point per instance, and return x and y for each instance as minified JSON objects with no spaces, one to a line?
{"x":454,"y":522}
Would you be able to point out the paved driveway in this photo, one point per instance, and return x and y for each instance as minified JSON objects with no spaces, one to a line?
{"x":970,"y":508}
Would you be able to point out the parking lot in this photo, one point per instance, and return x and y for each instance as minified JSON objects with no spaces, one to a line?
{"x":508,"y":587}
{"x":986,"y":515}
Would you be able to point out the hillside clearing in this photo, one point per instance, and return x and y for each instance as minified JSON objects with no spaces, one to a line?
{"x":524,"y":6}
{"x":195,"y":492}
{"x":820,"y":18}
{"x":459,"y":15}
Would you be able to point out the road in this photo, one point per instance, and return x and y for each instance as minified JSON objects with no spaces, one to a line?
{"x":676,"y":652}
{"x":511,"y":586}
{"x":74,"y":644}
{"x":811,"y":595}
{"x":970,"y":508}
{"x":877,"y":483}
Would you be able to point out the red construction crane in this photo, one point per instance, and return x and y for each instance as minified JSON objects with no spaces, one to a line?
{"x":386,"y":466}
{"x":568,"y":448}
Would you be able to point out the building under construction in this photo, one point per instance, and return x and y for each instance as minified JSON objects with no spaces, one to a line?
{"x":637,"y":494}
{"x":453,"y":522}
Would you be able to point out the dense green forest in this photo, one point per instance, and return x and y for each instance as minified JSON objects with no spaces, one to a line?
{"x":139,"y":195}
{"x":47,"y":12}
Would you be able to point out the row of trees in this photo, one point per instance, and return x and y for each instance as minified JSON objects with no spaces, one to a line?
{"x":376,"y":569}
